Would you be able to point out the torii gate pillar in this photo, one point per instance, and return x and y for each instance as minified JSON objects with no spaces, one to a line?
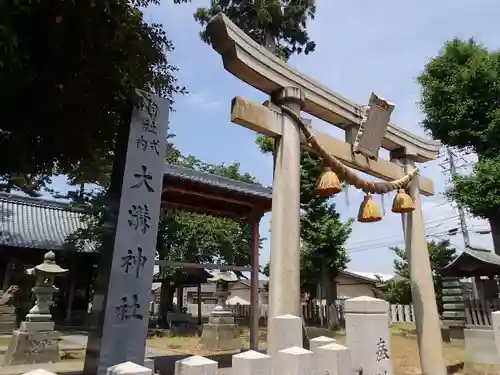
{"x":422,"y":287}
{"x":284,"y":283}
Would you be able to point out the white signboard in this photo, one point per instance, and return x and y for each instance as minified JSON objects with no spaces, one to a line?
{"x":125,"y":325}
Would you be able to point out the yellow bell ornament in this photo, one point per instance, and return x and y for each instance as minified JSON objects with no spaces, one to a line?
{"x":402,"y":203}
{"x":369,"y":211}
{"x":328,"y":183}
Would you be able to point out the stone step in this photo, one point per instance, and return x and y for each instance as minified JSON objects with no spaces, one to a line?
{"x":7,"y":318}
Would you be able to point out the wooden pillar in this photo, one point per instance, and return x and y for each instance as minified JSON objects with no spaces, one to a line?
{"x":254,"y":284}
{"x":198,"y":291}
{"x":8,"y":271}
{"x":71,"y":298}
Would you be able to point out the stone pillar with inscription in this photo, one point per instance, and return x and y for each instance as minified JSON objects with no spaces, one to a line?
{"x":367,"y":331}
{"x":120,"y":309}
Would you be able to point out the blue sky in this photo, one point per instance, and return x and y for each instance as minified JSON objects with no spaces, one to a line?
{"x":362,"y":46}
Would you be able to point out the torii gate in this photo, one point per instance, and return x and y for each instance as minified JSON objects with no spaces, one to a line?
{"x":256,"y":66}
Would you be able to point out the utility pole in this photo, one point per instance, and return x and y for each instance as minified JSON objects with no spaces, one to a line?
{"x":461,"y":214}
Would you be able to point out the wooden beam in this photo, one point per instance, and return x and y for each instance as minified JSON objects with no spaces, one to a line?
{"x":206,"y":195}
{"x":208,"y":266}
{"x":268,"y":121}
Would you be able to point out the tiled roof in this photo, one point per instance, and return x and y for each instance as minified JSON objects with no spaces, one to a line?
{"x":37,"y":223}
{"x":45,"y":224}
{"x":482,"y":255}
{"x":228,"y":184}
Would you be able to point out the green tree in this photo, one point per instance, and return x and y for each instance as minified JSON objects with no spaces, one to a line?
{"x":279,"y":25}
{"x":67,"y":79}
{"x":479,"y":192}
{"x":461,"y":104}
{"x":398,"y":290}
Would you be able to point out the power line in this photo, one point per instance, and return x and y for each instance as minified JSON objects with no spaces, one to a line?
{"x":439,"y":221}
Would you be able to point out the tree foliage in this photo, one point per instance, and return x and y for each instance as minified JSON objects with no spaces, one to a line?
{"x":67,"y":83}
{"x":461,"y":104}
{"x":479,"y":192}
{"x":461,"y":97}
{"x":279,"y":25}
{"x":323,"y":233}
{"x":398,"y":290}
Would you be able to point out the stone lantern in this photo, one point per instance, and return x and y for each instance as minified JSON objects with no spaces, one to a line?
{"x":221,"y":332}
{"x":44,"y":288}
{"x":222,"y":280}
{"x":36,"y":341}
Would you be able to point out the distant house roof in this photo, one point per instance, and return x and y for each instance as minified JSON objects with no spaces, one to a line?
{"x":473,"y":262}
{"x":372,"y":275}
{"x":262,"y":283}
{"x":37,"y":223}
{"x":191,"y":175}
{"x":358,"y":276}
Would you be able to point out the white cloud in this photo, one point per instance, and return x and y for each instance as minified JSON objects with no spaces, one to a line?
{"x":202,"y":100}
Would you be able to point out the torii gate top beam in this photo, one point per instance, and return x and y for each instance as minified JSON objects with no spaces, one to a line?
{"x":254,"y":65}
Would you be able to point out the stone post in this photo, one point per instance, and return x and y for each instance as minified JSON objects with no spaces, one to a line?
{"x":422,"y":284}
{"x":287,"y":333}
{"x":196,"y":365}
{"x":367,"y":330}
{"x":251,"y":363}
{"x":294,"y":361}
{"x":39,"y":371}
{"x":128,"y":368}
{"x":320,"y":341}
{"x":333,"y":359}
{"x":284,"y":283}
{"x":495,"y":324}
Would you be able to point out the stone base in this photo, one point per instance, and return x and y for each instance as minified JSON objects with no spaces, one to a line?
{"x":36,"y":326}
{"x":221,"y":337}
{"x":456,"y":333}
{"x":481,"y":357}
{"x":8,"y":320}
{"x":481,"y":369}
{"x":7,"y":327}
{"x":9,"y":310}
{"x":32,"y":347}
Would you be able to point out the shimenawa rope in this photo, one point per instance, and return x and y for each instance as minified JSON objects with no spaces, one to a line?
{"x":345,"y":173}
